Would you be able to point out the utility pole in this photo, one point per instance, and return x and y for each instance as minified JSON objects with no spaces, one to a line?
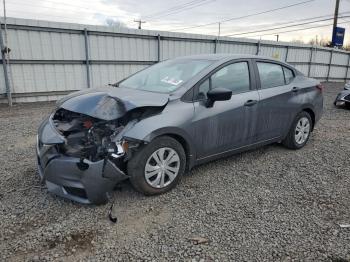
{"x":219,"y":30}
{"x":139,"y":22}
{"x":335,"y":20}
{"x":277,"y":36}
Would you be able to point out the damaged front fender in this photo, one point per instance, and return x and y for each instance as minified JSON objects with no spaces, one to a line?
{"x":48,"y":133}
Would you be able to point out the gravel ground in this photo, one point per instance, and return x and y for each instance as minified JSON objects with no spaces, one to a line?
{"x":267,"y":204}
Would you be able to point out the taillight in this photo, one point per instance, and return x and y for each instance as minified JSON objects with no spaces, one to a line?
{"x":320,"y":87}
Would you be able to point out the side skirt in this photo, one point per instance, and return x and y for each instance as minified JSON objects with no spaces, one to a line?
{"x":236,"y":150}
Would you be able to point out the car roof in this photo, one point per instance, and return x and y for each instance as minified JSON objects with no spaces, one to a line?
{"x":226,"y":57}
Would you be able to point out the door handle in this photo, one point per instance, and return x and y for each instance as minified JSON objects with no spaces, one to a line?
{"x":295,"y":89}
{"x":250,"y":102}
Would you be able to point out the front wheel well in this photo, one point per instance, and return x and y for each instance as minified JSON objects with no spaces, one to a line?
{"x":185,"y":146}
{"x":312,"y":115}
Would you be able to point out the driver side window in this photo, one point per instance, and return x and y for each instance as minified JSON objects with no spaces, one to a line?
{"x":234,"y":77}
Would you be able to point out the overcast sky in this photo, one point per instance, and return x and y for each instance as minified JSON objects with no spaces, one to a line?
{"x":157,"y":15}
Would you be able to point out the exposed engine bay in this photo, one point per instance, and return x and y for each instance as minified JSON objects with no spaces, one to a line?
{"x":95,"y":139}
{"x":86,"y":137}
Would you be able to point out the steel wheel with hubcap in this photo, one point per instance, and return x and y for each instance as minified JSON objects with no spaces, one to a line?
{"x":302,"y":130}
{"x":299,"y":132}
{"x":157,"y":166}
{"x":162,"y":167}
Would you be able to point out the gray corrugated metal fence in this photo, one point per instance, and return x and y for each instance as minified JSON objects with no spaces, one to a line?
{"x":49,"y":59}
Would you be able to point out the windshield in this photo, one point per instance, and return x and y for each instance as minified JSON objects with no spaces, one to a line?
{"x":166,"y":76}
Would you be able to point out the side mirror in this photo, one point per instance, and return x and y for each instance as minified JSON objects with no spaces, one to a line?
{"x":218,"y":94}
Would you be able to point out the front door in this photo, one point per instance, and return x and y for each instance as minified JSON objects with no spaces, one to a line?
{"x":228,"y":124}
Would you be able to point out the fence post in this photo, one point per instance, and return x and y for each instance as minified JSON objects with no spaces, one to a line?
{"x":347,"y":68}
{"x":329,"y":66}
{"x":215,"y":45}
{"x":87,"y":61}
{"x":258,"y":48}
{"x":4,"y":66}
{"x":158,"y":41}
{"x":287,"y":51}
{"x":310,"y":62}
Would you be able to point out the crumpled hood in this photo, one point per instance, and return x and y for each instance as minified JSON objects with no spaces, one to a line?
{"x":110,"y":103}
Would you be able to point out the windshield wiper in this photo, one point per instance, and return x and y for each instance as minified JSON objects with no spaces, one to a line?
{"x":115,"y":84}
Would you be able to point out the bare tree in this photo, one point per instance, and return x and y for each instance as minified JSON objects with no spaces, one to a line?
{"x":297,"y":41}
{"x":115,"y":23}
{"x":320,"y":42}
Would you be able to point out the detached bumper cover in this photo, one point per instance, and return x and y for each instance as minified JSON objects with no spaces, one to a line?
{"x":69,"y":177}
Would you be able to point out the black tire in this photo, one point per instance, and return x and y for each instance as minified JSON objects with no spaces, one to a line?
{"x":136,"y":165}
{"x":290,"y":141}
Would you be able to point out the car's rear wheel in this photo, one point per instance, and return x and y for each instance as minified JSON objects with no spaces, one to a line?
{"x":299,"y":132}
{"x":157,"y":167}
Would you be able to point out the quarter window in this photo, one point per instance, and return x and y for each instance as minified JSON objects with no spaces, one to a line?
{"x":203,"y":90}
{"x":288,"y":75}
{"x":271,"y":75}
{"x":234,"y":77}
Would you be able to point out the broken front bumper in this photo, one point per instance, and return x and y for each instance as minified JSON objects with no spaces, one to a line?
{"x":79,"y":180}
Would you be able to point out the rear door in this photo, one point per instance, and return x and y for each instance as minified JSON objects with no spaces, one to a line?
{"x":276,"y":91}
{"x":228,"y":124}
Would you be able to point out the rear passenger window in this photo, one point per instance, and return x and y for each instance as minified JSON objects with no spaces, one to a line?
{"x":288,"y":75}
{"x":271,"y":75}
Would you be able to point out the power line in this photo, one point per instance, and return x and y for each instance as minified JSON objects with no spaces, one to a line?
{"x":300,"y":29}
{"x":185,"y":9}
{"x":171,"y":9}
{"x":282,"y":27}
{"x":297,"y":20}
{"x":178,"y":8}
{"x":88,"y":10}
{"x":245,"y":16}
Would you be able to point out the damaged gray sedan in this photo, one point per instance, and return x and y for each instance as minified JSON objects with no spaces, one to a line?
{"x":158,"y":123}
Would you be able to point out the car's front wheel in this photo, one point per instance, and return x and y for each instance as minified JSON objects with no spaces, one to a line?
{"x":299,"y":132}
{"x":157,"y":167}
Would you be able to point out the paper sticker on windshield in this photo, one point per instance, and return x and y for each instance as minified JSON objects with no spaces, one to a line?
{"x":171,"y":81}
